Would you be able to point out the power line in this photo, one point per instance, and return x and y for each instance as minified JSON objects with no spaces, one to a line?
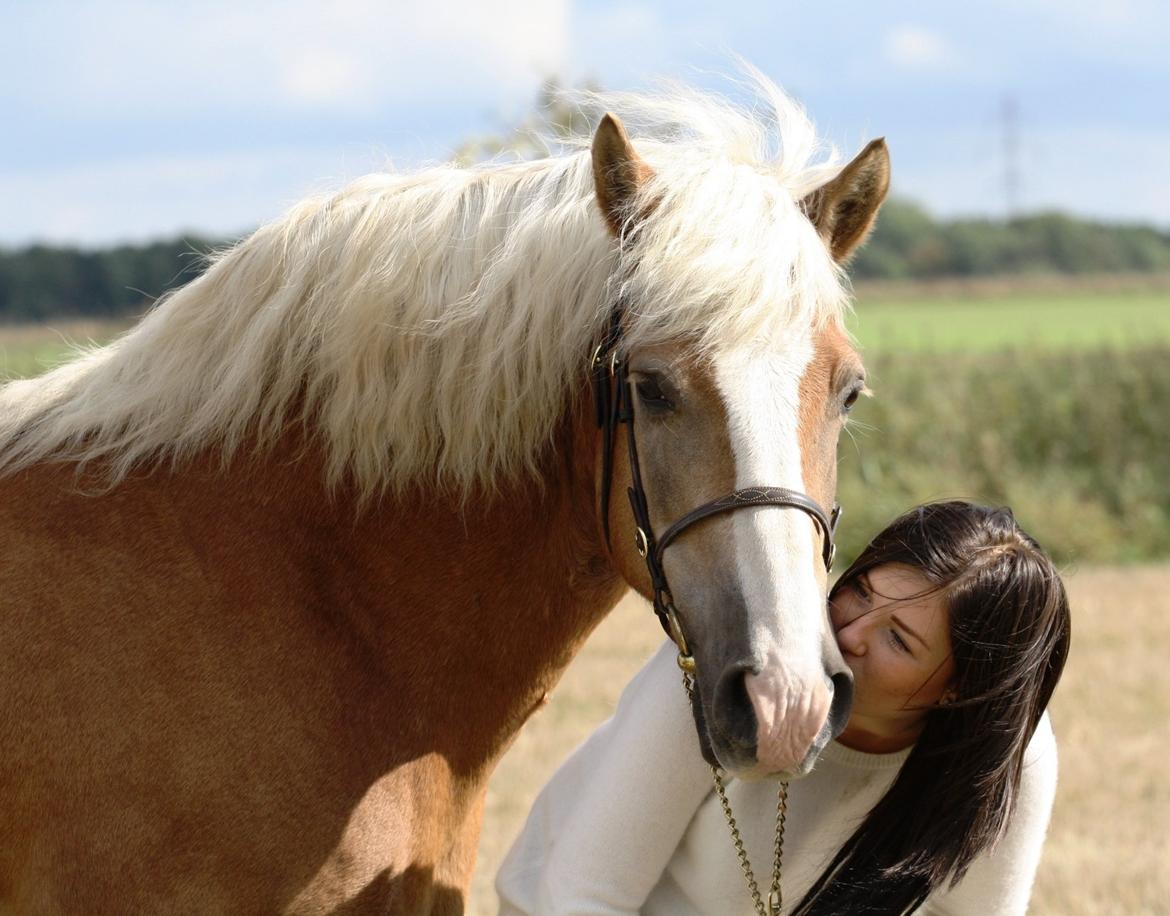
{"x":1010,"y":124}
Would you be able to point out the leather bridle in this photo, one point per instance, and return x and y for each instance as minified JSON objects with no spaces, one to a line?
{"x":614,"y":403}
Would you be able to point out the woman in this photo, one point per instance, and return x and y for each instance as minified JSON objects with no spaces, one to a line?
{"x":955,"y":625}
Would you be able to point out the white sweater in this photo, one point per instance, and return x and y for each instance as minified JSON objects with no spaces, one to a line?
{"x":630,"y":822}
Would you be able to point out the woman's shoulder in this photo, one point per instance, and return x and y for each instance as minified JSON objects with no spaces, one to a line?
{"x":1000,"y":879}
{"x":1037,"y":790}
{"x":1041,"y":750}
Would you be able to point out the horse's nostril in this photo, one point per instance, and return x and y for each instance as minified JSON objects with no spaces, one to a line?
{"x":734,"y":715}
{"x":842,"y":702}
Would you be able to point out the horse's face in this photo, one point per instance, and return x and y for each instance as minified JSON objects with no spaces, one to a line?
{"x":749,"y":585}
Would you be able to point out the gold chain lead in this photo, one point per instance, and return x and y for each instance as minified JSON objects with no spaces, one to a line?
{"x":775,"y":897}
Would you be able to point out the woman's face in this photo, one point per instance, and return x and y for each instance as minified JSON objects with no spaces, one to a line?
{"x":894,"y":634}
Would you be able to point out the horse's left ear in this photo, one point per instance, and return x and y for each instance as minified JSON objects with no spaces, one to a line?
{"x":618,"y":170}
{"x":844,"y":209}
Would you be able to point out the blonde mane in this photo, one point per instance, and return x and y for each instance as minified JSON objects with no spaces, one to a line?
{"x":436,"y":325}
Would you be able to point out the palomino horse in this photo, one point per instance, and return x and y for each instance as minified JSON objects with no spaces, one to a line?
{"x":287,"y":566}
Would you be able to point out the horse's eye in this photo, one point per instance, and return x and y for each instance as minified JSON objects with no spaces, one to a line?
{"x":651,"y":394}
{"x":851,"y":397}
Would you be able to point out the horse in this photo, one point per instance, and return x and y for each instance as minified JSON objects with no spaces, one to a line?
{"x":288,"y":565}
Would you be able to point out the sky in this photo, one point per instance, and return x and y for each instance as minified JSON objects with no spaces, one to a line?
{"x":130,"y":120}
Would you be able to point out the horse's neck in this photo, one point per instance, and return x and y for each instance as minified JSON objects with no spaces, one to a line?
{"x":467,"y":611}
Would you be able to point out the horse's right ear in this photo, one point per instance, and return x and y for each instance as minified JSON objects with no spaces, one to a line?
{"x":844,"y":209}
{"x":618,"y":171}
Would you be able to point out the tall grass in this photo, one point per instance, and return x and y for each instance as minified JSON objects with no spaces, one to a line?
{"x":1078,"y":443}
{"x":1061,"y":319}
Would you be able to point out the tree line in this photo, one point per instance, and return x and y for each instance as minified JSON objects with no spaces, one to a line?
{"x":42,"y":282}
{"x":910,"y":244}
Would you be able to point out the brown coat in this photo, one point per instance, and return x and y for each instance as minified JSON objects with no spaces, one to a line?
{"x":225,"y":691}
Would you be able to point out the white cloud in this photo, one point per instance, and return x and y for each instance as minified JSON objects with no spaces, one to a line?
{"x":916,"y":47}
{"x":70,"y":67}
{"x":293,"y":54}
{"x":323,"y":76}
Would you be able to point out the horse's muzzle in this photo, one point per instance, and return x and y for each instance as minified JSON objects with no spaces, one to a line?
{"x":789,"y":716}
{"x":774,"y":723}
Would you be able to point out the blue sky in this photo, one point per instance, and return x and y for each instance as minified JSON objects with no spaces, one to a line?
{"x":132,"y":120}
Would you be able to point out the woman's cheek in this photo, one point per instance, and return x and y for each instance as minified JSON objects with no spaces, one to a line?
{"x":895,"y":682}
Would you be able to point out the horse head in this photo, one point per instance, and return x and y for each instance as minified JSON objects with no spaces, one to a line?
{"x":752,"y":408}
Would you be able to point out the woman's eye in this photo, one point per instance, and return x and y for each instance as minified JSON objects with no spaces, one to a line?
{"x":859,"y":587}
{"x":899,"y":643}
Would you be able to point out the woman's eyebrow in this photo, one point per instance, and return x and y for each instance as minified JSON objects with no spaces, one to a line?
{"x":902,"y":624}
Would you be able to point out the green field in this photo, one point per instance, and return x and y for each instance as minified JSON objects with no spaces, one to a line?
{"x":25,"y":358}
{"x":30,"y":349}
{"x":915,"y":323}
{"x":1026,"y":321}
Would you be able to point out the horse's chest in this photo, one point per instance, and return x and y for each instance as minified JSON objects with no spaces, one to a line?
{"x":404,"y":848}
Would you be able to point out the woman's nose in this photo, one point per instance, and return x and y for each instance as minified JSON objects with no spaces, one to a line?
{"x":851,"y":637}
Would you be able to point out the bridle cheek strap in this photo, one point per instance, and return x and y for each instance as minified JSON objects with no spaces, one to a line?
{"x":613,"y":400}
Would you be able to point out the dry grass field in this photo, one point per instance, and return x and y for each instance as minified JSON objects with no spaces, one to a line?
{"x":1108,"y":849}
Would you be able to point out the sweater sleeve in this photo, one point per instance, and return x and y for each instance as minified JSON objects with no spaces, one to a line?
{"x":999,"y":883}
{"x":605,"y":826}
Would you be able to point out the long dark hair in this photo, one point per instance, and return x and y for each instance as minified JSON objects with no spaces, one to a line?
{"x":952,"y":798}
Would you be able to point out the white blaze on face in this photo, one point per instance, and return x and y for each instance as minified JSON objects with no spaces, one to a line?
{"x":774,"y":552}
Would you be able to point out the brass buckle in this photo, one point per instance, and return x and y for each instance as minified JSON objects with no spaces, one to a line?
{"x":641,"y":543}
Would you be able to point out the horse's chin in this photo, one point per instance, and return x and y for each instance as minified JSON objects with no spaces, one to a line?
{"x":751,"y":770}
{"x":703,"y":733}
